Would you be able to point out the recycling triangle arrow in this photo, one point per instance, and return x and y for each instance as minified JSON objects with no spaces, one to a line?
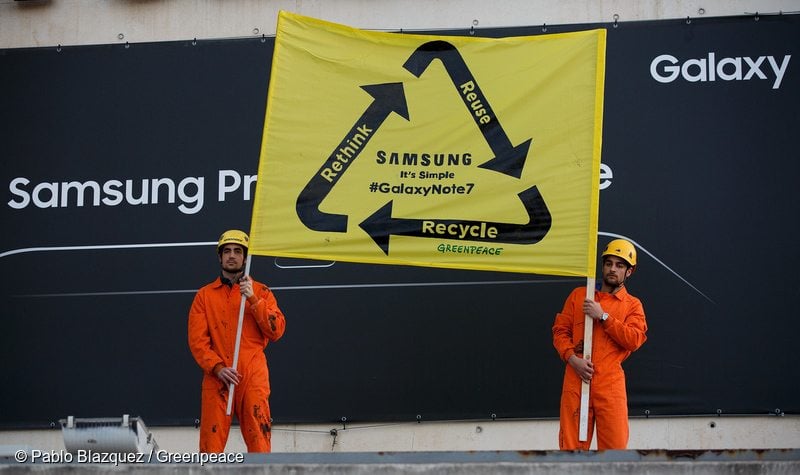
{"x":381,"y":225}
{"x":388,"y":98}
{"x":508,"y":159}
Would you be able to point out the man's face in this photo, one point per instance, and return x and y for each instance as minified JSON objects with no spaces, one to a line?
{"x":615,"y":271}
{"x":231,"y":258}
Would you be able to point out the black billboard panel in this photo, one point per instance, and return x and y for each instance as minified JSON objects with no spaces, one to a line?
{"x":122,"y":164}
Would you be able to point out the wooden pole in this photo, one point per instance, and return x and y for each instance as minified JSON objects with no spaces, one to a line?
{"x":238,"y":338}
{"x":583,"y":425}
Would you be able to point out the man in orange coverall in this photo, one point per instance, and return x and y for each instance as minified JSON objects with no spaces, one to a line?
{"x":213,"y":321}
{"x":619,"y":329}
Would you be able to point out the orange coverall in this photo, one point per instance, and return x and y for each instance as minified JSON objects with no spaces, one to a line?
{"x":213,"y":319}
{"x":612,"y":343}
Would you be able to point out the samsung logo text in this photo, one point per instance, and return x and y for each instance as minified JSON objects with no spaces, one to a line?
{"x":189,"y":192}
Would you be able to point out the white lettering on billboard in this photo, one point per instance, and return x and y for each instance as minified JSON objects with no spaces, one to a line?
{"x":666,"y":68}
{"x":65,"y":194}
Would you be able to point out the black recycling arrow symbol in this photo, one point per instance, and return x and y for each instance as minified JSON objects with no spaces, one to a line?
{"x":508,"y":159}
{"x":389,"y":98}
{"x":381,"y":225}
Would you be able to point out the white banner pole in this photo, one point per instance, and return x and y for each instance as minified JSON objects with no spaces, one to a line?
{"x":583,"y":426}
{"x":238,"y":338}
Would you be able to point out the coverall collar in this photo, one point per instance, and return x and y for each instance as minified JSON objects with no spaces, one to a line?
{"x":622,"y":290}
{"x":225,"y":281}
{"x":619,"y":294}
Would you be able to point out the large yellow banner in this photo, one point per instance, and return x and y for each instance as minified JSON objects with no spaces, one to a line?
{"x":443,"y":151}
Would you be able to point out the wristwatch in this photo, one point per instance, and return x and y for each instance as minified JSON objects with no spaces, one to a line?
{"x":604,"y":317}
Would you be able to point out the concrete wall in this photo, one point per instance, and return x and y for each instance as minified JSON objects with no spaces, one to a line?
{"x":70,"y":22}
{"x":690,"y":433}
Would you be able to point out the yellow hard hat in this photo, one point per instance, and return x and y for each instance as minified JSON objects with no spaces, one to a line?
{"x":233,"y":236}
{"x":622,"y":249}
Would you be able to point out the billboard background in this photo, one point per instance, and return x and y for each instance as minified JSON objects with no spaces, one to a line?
{"x":703,"y":179}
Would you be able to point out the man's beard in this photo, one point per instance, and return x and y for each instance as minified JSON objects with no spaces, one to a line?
{"x":227,"y":268}
{"x":615,"y":283}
